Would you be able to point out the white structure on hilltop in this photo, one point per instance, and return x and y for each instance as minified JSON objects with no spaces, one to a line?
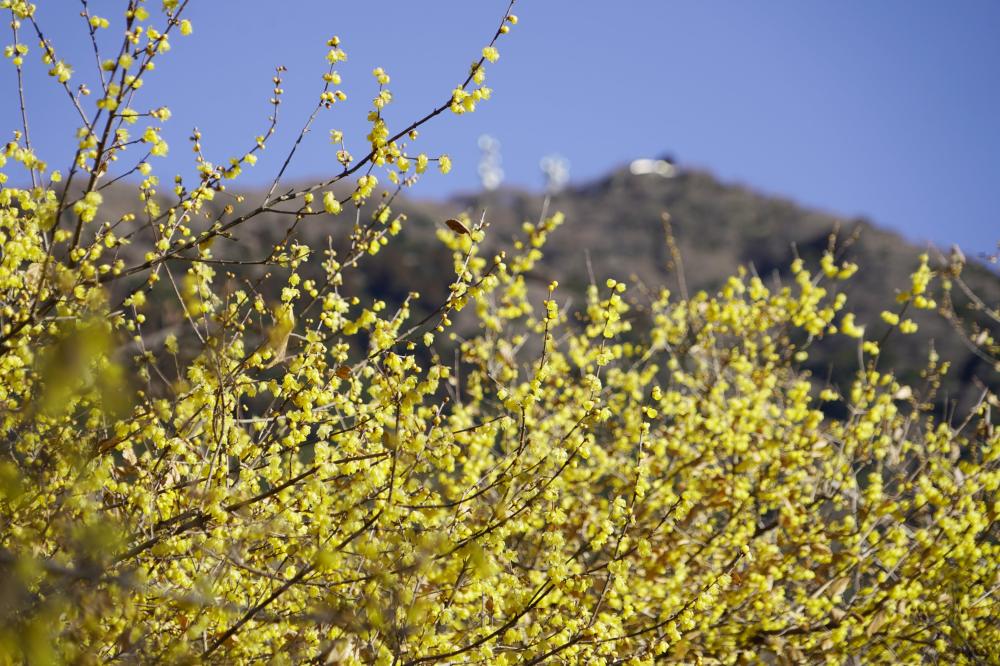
{"x":645,"y":166}
{"x":556,"y":170}
{"x":490,"y":171}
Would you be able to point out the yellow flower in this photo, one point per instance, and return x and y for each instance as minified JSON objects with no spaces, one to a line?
{"x":849,"y":328}
{"x":330,"y":203}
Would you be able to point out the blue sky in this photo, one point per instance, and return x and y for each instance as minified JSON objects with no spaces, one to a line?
{"x":888,"y":109}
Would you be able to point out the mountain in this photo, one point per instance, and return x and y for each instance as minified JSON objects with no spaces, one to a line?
{"x":616,"y":224}
{"x":614,"y":229}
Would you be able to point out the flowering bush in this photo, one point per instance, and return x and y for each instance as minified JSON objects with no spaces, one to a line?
{"x":307,"y":480}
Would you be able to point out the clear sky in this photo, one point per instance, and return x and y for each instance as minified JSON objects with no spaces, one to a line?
{"x":888,"y":109}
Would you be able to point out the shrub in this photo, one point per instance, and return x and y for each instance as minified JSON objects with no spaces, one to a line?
{"x":307,"y":479}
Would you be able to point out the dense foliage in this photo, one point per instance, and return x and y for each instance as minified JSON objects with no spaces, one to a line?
{"x":308,"y":480}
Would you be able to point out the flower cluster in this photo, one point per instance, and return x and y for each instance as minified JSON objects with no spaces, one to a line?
{"x":312,"y":478}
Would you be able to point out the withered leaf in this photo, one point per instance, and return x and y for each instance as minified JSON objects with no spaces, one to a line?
{"x":838,"y":586}
{"x":456,"y":226}
{"x":877,"y":623}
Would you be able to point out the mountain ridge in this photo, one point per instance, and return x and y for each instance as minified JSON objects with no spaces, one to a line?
{"x":614,"y":228}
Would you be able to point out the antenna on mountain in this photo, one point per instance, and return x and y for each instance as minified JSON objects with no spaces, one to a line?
{"x":556,"y":170}
{"x":490,"y":172}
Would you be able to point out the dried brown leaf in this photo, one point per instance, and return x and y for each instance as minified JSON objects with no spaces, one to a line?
{"x":877,"y":623}
{"x":456,"y":226}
